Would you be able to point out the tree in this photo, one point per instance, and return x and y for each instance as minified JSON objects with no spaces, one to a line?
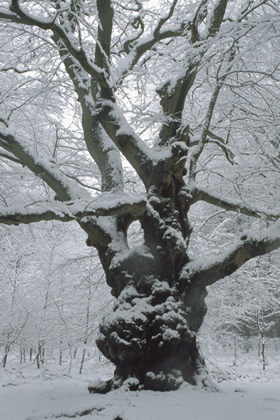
{"x":51,"y":293}
{"x":244,"y":310}
{"x":185,"y":95}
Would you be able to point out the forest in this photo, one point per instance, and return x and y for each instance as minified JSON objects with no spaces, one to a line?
{"x":140,"y":163}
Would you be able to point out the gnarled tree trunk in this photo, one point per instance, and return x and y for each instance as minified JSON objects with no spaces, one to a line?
{"x":151,"y":334}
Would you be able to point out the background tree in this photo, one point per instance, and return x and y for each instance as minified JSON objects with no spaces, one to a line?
{"x":243,"y":310}
{"x":52,"y":294}
{"x":185,"y":93}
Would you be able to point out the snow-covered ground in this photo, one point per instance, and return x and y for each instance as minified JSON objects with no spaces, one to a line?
{"x":246,"y":392}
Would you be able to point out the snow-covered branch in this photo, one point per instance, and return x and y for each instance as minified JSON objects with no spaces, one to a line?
{"x":45,"y":169}
{"x":99,"y":145}
{"x":213,"y":138}
{"x":206,"y":272}
{"x":9,"y":156}
{"x":174,"y":92}
{"x":216,"y":18}
{"x":138,"y":154}
{"x":164,"y":19}
{"x":136,"y":50}
{"x":22,"y":215}
{"x":18,"y":15}
{"x":231,"y":204}
{"x":104,"y":205}
{"x":103,"y":44}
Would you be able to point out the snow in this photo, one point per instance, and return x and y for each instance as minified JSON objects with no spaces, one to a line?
{"x":273,"y":232}
{"x":108,"y":201}
{"x":244,"y":392}
{"x":140,"y":252}
{"x":270,"y":235}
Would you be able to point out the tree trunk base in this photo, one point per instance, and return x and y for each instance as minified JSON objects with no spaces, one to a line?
{"x":100,"y":387}
{"x":159,"y":382}
{"x":155,"y":381}
{"x":150,"y":336}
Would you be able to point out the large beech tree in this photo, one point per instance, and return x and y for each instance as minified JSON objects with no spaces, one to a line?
{"x":182,"y":94}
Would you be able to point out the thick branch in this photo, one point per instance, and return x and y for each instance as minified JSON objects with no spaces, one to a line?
{"x":172,"y":99}
{"x":9,"y":156}
{"x":138,"y":154}
{"x":232,"y":204}
{"x":173,"y":95}
{"x":107,"y":205}
{"x":205,"y":273}
{"x":217,"y":16}
{"x":22,"y":215}
{"x":103,"y":44}
{"x":198,"y":18}
{"x":43,"y":168}
{"x":99,"y":145}
{"x":103,"y":151}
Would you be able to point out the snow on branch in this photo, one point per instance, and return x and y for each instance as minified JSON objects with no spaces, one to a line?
{"x":45,"y":169}
{"x":216,"y":17}
{"x":136,"y":50}
{"x":65,"y":189}
{"x":232,"y":204}
{"x":219,"y":141}
{"x":109,"y":204}
{"x":105,"y":205}
{"x":99,"y":145}
{"x":18,"y":15}
{"x":23,"y":215}
{"x":164,"y":19}
{"x":135,"y":150}
{"x":9,"y":156}
{"x":206,"y":272}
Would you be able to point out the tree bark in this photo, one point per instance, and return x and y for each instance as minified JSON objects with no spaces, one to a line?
{"x":151,"y":334}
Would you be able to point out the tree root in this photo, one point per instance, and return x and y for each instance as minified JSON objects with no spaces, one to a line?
{"x":100,"y":387}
